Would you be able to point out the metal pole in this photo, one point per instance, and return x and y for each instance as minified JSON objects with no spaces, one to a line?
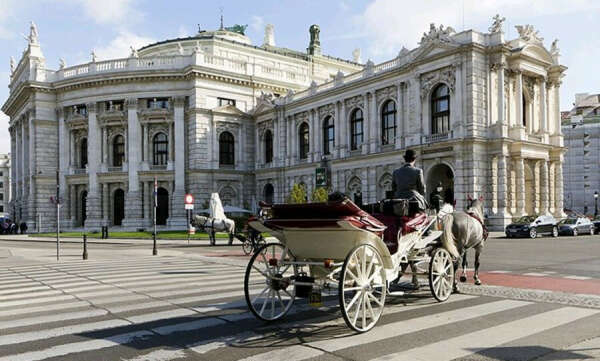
{"x":85,"y":253}
{"x":188,"y":225}
{"x":57,"y":200}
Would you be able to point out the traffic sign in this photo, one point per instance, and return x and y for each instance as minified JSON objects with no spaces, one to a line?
{"x":189,"y":206}
{"x":189,"y":199}
{"x":192,"y":230}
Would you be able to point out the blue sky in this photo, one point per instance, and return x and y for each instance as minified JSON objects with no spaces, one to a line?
{"x":72,"y":28}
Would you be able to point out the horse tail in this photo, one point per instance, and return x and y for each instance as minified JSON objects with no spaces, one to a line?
{"x":448,"y":240}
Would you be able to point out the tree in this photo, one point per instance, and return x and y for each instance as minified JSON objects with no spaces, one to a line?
{"x":319,"y":195}
{"x":298,"y":194}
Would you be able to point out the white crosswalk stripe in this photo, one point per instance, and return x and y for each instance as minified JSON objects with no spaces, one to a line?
{"x":78,"y":307}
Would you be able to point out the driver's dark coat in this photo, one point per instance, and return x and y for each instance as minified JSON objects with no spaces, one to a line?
{"x":408,"y":183}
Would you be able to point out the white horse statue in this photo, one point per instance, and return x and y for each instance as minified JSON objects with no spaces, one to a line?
{"x":216,"y":221}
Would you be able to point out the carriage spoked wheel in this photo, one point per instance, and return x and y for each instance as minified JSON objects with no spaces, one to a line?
{"x":441,"y":274}
{"x":268,"y":284}
{"x":362,"y":288}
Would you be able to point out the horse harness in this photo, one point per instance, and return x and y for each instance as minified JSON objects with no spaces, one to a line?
{"x":485,"y":230}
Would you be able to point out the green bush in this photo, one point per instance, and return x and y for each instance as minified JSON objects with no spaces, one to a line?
{"x":319,"y":195}
{"x":298,"y":195}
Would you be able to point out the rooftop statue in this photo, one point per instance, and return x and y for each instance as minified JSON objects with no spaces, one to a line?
{"x":94,"y":57}
{"x":134,"y":52}
{"x":179,"y":49}
{"x":437,"y":34}
{"x":356,"y":55}
{"x":12,"y":65}
{"x":237,"y":28}
{"x":497,"y":24}
{"x":61,"y":63}
{"x":554,"y":50}
{"x":529,"y":34}
{"x":314,"y":35}
{"x":33,"y":34}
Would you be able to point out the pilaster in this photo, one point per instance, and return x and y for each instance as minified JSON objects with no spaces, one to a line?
{"x":133,"y":216}
{"x":177,"y":216}
{"x":520,"y":184}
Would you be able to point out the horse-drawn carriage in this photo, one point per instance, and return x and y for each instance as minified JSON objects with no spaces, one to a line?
{"x":336,"y":244}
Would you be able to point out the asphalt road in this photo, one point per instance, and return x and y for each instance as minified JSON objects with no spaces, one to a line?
{"x":124,"y":304}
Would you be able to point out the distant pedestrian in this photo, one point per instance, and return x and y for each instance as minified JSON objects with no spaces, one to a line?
{"x":23,"y":227}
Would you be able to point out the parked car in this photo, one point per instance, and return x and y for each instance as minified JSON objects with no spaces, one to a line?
{"x":532,"y":226}
{"x":575,"y":226}
{"x":597,"y":224}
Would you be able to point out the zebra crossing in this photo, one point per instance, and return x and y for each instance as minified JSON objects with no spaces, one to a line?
{"x":171,"y":308}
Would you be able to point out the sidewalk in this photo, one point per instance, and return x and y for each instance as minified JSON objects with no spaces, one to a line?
{"x":129,"y":241}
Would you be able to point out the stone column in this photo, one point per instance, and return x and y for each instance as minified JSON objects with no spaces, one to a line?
{"x":534,"y":164}
{"x":520,"y":183}
{"x":494,"y":184}
{"x":343,"y":124}
{"x":32,"y":214}
{"x":73,"y":208}
{"x":23,"y":165}
{"x":519,"y":100}
{"x":63,"y":158}
{"x":552,"y":187}
{"x":558,"y":189}
{"x":93,"y":211}
{"x":543,"y":106}
{"x":105,"y":204}
{"x":177,"y":215}
{"x":104,"y":147}
{"x":374,"y":129}
{"x":399,"y":116}
{"x":502,"y":186}
{"x":72,"y":149}
{"x":500,"y":103}
{"x":133,"y":216}
{"x":366,"y":124}
{"x":544,"y":187}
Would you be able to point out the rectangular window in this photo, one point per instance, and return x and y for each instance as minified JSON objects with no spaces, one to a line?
{"x":1,"y":185}
{"x":158,"y":103}
{"x":114,"y":105}
{"x":81,"y":109}
{"x":225,"y":101}
{"x":1,"y":208}
{"x":1,"y":174}
{"x":1,"y":196}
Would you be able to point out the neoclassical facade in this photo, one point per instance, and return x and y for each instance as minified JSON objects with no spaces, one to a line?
{"x":214,"y":113}
{"x":4,"y":184}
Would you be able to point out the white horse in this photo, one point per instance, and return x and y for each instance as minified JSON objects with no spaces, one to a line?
{"x":216,"y":221}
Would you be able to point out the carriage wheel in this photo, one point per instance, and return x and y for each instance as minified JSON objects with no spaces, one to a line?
{"x":247,"y":247}
{"x":362,"y":288}
{"x":441,"y":274}
{"x":268,"y":283}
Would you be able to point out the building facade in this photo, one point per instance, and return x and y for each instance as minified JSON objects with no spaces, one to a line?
{"x":213,"y":113}
{"x":581,"y":129}
{"x":4,"y":184}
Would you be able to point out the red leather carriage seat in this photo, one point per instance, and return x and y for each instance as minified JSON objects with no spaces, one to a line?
{"x":394,"y":224}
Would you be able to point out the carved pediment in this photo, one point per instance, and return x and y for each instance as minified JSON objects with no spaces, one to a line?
{"x":262,"y":107}
{"x":386,"y":93}
{"x":227,"y":127}
{"x":326,"y":110}
{"x":446,"y":75}
{"x":300,"y":117}
{"x":356,"y":101}
{"x":432,"y":48}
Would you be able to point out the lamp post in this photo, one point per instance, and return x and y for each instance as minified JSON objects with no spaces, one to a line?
{"x":595,"y":203}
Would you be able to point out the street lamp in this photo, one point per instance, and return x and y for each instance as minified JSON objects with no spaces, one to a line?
{"x":595,"y":203}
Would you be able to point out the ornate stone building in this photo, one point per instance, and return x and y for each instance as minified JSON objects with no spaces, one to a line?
{"x":213,"y":113}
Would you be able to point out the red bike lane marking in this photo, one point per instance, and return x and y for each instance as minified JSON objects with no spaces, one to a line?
{"x":540,"y":283}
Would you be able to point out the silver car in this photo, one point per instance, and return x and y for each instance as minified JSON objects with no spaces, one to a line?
{"x":575,"y":226}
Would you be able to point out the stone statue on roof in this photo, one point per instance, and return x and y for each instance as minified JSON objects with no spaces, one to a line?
{"x":12,"y":65}
{"x":179,"y":49}
{"x":529,"y":34}
{"x":33,"y":34}
{"x":356,"y":55}
{"x":497,"y":24}
{"x":437,"y":34}
{"x":134,"y":52}
{"x":61,"y":63}
{"x":94,"y":57}
{"x":554,"y":50}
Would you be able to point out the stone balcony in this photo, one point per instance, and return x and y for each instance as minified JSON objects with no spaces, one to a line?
{"x":435,"y":138}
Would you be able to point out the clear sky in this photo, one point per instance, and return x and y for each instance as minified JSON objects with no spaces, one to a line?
{"x":72,"y":28}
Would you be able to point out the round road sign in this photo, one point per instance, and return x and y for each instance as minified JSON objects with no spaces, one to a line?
{"x":189,"y":199}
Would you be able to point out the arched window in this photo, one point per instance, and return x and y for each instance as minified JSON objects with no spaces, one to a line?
{"x":83,"y":152}
{"x":160,"y":146}
{"x":118,"y":151}
{"x":440,"y":110}
{"x":356,"y":129}
{"x":268,"y":146}
{"x":303,"y":140}
{"x":226,"y":149}
{"x":269,"y":193}
{"x":388,"y":122}
{"x":328,"y":135}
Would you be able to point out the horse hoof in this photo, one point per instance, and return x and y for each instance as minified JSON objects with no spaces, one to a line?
{"x":477,"y":282}
{"x":456,"y":290}
{"x":463,"y":279}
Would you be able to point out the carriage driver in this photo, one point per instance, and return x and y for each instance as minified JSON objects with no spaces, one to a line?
{"x":408,"y":183}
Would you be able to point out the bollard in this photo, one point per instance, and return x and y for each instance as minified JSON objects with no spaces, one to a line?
{"x":154,"y":250}
{"x":85,"y":254}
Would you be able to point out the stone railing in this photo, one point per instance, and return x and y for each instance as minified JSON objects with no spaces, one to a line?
{"x":79,"y":170}
{"x":356,"y":76}
{"x":115,"y":169}
{"x":434,"y":138}
{"x":158,"y":167}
